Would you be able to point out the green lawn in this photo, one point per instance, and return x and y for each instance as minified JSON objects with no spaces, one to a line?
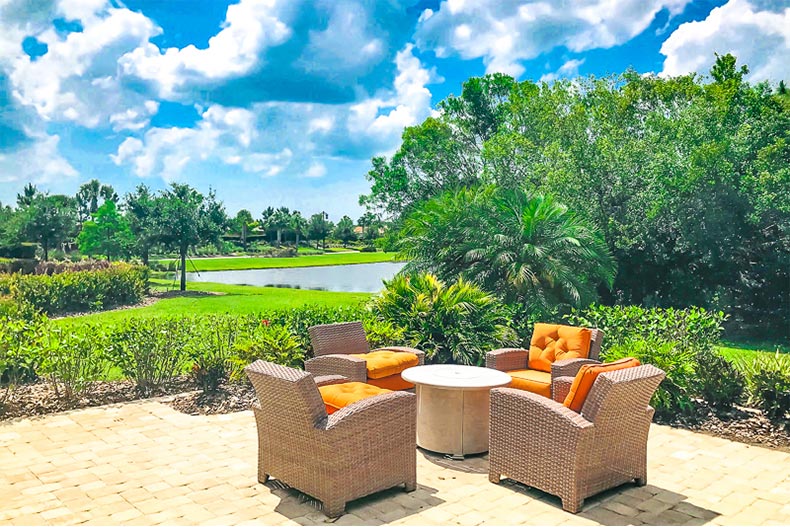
{"x":736,"y":351}
{"x":238,"y":299}
{"x":224,"y":264}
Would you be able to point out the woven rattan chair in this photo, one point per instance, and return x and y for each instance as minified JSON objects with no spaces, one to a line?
{"x":510,"y":359}
{"x":541,"y":443}
{"x":334,"y":343}
{"x":363,"y":448}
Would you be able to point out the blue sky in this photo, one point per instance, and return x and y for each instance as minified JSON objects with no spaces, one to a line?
{"x":284,"y":102}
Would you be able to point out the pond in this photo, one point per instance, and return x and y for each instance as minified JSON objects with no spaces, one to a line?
{"x":357,"y":278}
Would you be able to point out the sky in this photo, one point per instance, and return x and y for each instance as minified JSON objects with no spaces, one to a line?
{"x":284,"y":102}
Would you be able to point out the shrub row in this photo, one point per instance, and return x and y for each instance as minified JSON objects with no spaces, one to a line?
{"x":74,"y":291}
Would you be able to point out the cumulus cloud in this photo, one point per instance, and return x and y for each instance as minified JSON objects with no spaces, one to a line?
{"x":756,"y":34}
{"x":316,"y":170}
{"x":569,"y":69}
{"x":505,"y":33}
{"x":39,"y":162}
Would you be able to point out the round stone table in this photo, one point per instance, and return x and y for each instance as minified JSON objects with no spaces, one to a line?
{"x":453,"y":406}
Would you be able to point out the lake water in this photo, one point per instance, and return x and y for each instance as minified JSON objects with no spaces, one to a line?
{"x":357,"y":278}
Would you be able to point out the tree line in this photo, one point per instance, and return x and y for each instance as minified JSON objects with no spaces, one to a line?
{"x":686,"y":179}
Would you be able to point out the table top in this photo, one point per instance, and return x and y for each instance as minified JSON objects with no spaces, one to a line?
{"x":453,"y":376}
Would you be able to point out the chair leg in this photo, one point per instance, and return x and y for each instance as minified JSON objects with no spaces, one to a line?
{"x":410,"y":485}
{"x":640,"y":482}
{"x":263,"y":477}
{"x":334,"y":508}
{"x":494,"y":477}
{"x":572,"y":505}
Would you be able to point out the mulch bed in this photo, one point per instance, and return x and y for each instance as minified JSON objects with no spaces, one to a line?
{"x":228,"y":399}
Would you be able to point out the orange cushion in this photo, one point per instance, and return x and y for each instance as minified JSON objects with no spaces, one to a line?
{"x":534,"y":381}
{"x":337,"y":396}
{"x":384,"y":363}
{"x":553,"y":342}
{"x":584,"y":380}
{"x":393,"y":382}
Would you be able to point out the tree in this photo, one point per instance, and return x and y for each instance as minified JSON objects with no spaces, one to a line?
{"x":27,"y":196}
{"x":528,"y":249}
{"x":141,"y":215}
{"x":107,"y":233}
{"x":299,"y":225}
{"x":241,"y":224}
{"x":366,"y":220}
{"x":344,"y":231}
{"x":277,"y":220}
{"x":48,"y":220}
{"x":187,"y":218}
{"x":88,"y":198}
{"x":318,"y":228}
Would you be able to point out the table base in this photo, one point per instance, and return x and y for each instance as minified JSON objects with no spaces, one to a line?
{"x":452,"y":421}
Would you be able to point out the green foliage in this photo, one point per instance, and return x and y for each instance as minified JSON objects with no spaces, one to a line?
{"x":344,"y":231}
{"x":693,"y":329}
{"x":674,"y":394}
{"x":212,"y":351}
{"x":88,"y":196}
{"x":72,"y":291}
{"x":318,"y":228}
{"x":47,"y":220}
{"x":299,"y":320}
{"x":72,"y":360}
{"x":25,"y":251}
{"x":21,"y":341}
{"x":270,"y":342}
{"x":452,"y":323}
{"x":768,"y":384}
{"x":717,"y":380}
{"x":107,"y":233}
{"x":380,"y":334}
{"x":527,"y":249}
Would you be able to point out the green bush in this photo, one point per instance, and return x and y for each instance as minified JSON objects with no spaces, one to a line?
{"x":73,"y":360}
{"x":212,"y":351}
{"x":717,"y":381}
{"x":17,"y":265}
{"x":452,"y":323}
{"x":768,"y":384}
{"x":21,"y":341}
{"x":299,"y":320}
{"x":151,"y":351}
{"x":692,"y":329}
{"x":73,"y":291}
{"x":269,"y":342}
{"x":674,"y":394}
{"x":25,"y":251}
{"x":382,"y":334}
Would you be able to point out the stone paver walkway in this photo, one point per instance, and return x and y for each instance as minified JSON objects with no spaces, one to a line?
{"x":145,"y":463}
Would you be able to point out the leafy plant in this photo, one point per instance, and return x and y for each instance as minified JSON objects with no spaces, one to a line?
{"x":718,"y":382}
{"x":20,"y":350}
{"x":272,"y":343}
{"x":212,"y":352}
{"x":675,"y":391}
{"x":381,"y":333}
{"x":73,"y":360}
{"x":451,"y":323}
{"x":768,"y":384}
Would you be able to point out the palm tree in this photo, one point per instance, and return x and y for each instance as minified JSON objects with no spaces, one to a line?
{"x":278,"y":220}
{"x":88,"y":198}
{"x":299,"y":225}
{"x":528,"y":249}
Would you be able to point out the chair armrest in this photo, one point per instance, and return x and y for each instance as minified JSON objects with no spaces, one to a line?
{"x":405,"y":349}
{"x":569,"y":367}
{"x":560,"y":386}
{"x":507,"y":359}
{"x":352,"y":368}
{"x":326,"y":380}
{"x":393,"y":413}
{"x":534,"y":413}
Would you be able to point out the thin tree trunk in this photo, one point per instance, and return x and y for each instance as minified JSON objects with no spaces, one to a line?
{"x":183,"y":269}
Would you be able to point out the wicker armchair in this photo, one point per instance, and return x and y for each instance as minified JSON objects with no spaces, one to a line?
{"x":334,"y":345}
{"x":364,"y":448}
{"x":510,"y":359}
{"x":541,"y":443}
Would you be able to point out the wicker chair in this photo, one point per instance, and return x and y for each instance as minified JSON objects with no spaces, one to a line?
{"x":510,"y":359}
{"x":541,"y":443}
{"x":364,"y":448}
{"x":333,"y":345}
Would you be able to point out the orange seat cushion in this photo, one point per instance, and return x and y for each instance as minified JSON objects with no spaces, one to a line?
{"x":534,"y":381}
{"x":553,"y":342}
{"x":393,"y":382}
{"x":337,"y":396}
{"x":384,"y":363}
{"x":584,"y":380}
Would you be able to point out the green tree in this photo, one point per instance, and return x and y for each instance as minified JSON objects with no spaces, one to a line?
{"x":141,"y":215}
{"x":277,"y":220}
{"x":107,"y":233}
{"x":187,"y":218}
{"x":89,"y":195}
{"x":344,"y":231}
{"x":318,"y":228}
{"x":298,"y":225}
{"x":242,"y":224}
{"x":29,"y":193}
{"x":48,"y":220}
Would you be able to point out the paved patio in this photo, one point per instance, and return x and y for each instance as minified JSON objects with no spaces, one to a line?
{"x":145,"y":463}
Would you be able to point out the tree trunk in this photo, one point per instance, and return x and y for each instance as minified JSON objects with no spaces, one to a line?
{"x":183,"y":269}
{"x":144,"y":256}
{"x":45,"y":246}
{"x":279,"y":237}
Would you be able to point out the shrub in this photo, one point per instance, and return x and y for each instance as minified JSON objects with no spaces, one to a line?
{"x":381,"y":334}
{"x":73,"y":360}
{"x":456,"y":323}
{"x":693,"y":329}
{"x":299,"y":320}
{"x":768,"y":383}
{"x":717,"y":381}
{"x":51,"y":267}
{"x":20,"y":350}
{"x":368,"y":249}
{"x":213,"y":350}
{"x":17,"y":265}
{"x":151,"y":351}
{"x":19,"y":250}
{"x":72,"y":291}
{"x":269,"y":342}
{"x":674,"y":393}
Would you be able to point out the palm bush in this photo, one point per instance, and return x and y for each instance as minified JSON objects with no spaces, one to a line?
{"x":527,"y":249}
{"x":455,"y":323}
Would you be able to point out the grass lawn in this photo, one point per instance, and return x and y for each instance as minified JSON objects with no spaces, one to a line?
{"x":224,"y":264}
{"x":238,"y":299}
{"x":737,"y":351}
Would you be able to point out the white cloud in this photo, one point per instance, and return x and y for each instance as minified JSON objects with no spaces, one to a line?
{"x":569,"y":69}
{"x":39,"y":162}
{"x":250,"y":27}
{"x":505,"y":33}
{"x":758,"y":38}
{"x":316,"y":170}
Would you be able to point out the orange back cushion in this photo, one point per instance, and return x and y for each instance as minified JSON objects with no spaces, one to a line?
{"x":584,"y":380}
{"x":553,"y":342}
